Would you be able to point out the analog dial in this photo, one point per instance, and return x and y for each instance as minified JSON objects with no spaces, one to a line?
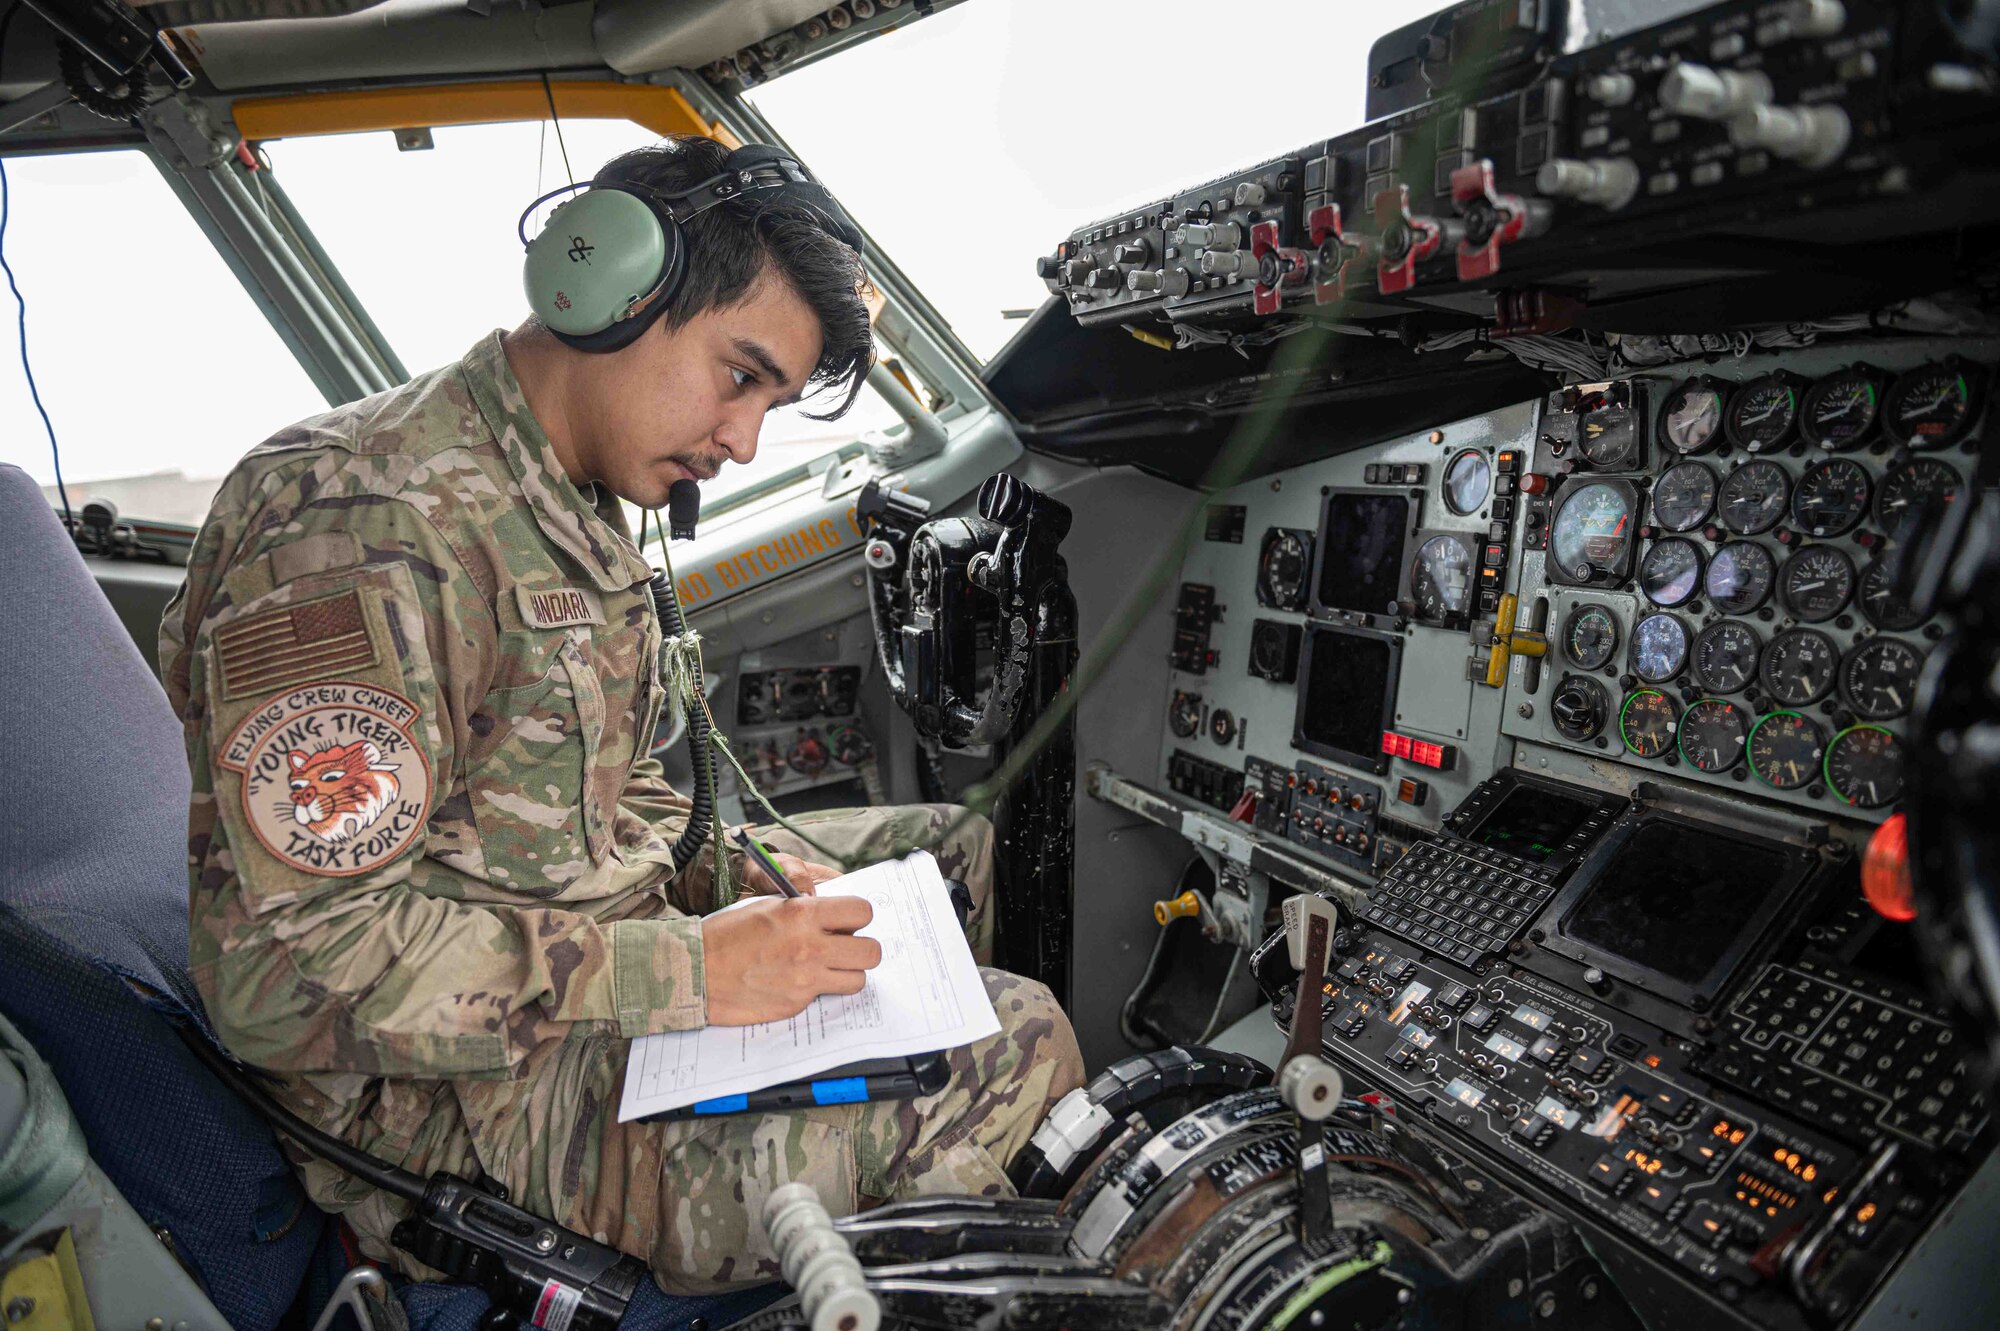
{"x":1831,"y":497}
{"x":1840,"y":410}
{"x":1879,"y":678}
{"x":1591,"y":537}
{"x":1753,"y":498}
{"x":1609,"y":438}
{"x":1671,"y":571}
{"x":1646,"y":722}
{"x":1882,"y":600}
{"x":1762,"y":414}
{"x":1725,"y":656}
{"x":1712,"y":734}
{"x":1786,"y":749}
{"x":1591,"y":636}
{"x":1221,"y":725}
{"x":1184,"y":716}
{"x":1930,"y":407}
{"x":1441,"y":581}
{"x":1739,"y":577}
{"x":1282,"y":569}
{"x":1799,"y":667}
{"x":1467,"y":480}
{"x":1816,"y":582}
{"x":1864,"y":767}
{"x":1659,"y":648}
{"x":1691,"y":421}
{"x":1684,"y":496}
{"x":1913,"y":497}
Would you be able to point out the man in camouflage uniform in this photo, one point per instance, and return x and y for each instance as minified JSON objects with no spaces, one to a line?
{"x":430,"y":873}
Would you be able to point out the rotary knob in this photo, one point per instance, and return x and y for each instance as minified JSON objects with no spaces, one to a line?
{"x":1228,"y":263}
{"x":1812,"y":136}
{"x":1580,"y":708}
{"x":1695,"y":90}
{"x":1607,"y":181}
{"x":1137,"y":251}
{"x":1210,"y":235}
{"x":1611,"y":88}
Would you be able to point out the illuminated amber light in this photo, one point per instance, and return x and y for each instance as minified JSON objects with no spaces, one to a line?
{"x":1865,"y":1214}
{"x":1885,"y":870}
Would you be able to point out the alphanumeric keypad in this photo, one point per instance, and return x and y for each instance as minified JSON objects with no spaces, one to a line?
{"x":1851,"y":1055}
{"x":1462,"y":902}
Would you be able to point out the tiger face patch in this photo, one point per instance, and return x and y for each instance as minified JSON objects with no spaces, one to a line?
{"x":332,"y":782}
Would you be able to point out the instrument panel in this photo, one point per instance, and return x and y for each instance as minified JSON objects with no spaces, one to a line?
{"x":1727,"y":606}
{"x":1598,"y":697}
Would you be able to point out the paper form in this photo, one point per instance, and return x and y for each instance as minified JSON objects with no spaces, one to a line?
{"x":925,"y":996}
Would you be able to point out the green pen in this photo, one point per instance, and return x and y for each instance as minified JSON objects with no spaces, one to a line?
{"x":755,"y":849}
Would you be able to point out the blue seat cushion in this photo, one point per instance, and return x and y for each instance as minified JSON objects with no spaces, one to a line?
{"x":189,"y":1156}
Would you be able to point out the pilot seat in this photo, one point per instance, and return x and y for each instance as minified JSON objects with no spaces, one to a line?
{"x":94,"y":988}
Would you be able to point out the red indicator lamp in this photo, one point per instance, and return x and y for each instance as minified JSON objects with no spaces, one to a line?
{"x":1885,"y":870}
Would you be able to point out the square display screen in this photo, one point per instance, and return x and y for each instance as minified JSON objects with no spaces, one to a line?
{"x":1361,"y":552}
{"x":1676,"y":898}
{"x":1350,"y":686}
{"x":1531,"y":823}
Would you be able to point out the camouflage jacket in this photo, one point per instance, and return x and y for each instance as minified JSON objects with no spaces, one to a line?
{"x":415,"y":664}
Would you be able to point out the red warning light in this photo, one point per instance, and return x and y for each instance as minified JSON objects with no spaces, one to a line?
{"x":1885,"y":870}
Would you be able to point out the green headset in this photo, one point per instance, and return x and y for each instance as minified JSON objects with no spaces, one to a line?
{"x":607,"y":263}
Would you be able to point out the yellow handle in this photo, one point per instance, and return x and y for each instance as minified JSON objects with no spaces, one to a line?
{"x":1187,"y":903}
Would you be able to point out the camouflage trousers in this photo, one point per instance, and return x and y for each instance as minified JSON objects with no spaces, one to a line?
{"x":684,"y":1196}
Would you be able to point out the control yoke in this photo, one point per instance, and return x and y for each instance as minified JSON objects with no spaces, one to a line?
{"x":941,"y":591}
{"x":931,"y":584}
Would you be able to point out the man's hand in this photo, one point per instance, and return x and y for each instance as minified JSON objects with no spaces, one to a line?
{"x":805,"y":875}
{"x":768,"y":959}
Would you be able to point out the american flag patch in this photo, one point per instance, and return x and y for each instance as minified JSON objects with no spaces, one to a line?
{"x":309,"y":641}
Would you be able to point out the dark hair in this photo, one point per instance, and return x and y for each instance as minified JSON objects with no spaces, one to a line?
{"x":733,"y":244}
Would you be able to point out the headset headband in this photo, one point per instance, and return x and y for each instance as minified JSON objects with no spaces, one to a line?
{"x":767,"y":169}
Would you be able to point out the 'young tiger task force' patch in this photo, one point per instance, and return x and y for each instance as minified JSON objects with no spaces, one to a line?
{"x":332,"y":781}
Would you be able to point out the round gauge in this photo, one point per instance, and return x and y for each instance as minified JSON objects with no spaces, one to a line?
{"x":1609,"y":437}
{"x":1671,"y":571}
{"x":1786,"y":749}
{"x":1930,"y":407}
{"x":1879,"y":678}
{"x":1579,"y":708}
{"x":1646,"y":722}
{"x":1591,"y":636}
{"x":1799,"y":667}
{"x":1839,"y":411}
{"x":1712,"y":733}
{"x":1282,"y":569}
{"x":1467,"y":479}
{"x":1739,"y":577}
{"x":1831,"y":497}
{"x":1816,"y":582}
{"x":1683,"y":496}
{"x":1221,"y":725}
{"x":1184,"y":715}
{"x":1691,"y":421}
{"x":1659,"y":648}
{"x":1883,"y":601}
{"x":1441,"y":580}
{"x":1591,"y":537}
{"x":1916,"y":494}
{"x":1762,"y":414}
{"x":1864,"y":766}
{"x":1753,"y":498}
{"x":1725,"y":656}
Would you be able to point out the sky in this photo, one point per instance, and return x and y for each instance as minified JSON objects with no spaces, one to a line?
{"x":967,"y":144}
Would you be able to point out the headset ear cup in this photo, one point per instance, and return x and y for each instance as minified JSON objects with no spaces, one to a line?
{"x":603,"y":253}
{"x":647,"y":309}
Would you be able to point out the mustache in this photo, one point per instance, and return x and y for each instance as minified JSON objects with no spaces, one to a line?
{"x":704,"y":468}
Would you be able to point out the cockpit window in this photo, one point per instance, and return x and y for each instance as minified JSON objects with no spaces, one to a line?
{"x":427,"y":242}
{"x":156,"y":369}
{"x":973,"y":141}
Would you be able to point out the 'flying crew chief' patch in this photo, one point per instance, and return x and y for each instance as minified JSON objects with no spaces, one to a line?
{"x":332,"y":782}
